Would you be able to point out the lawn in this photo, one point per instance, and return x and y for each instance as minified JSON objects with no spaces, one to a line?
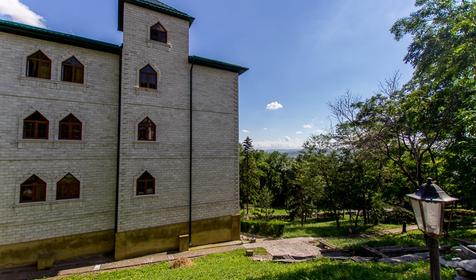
{"x":329,"y":229}
{"x":234,"y":265}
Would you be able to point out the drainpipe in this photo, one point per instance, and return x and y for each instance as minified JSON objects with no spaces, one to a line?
{"x":190,"y":151}
{"x":118,"y":156}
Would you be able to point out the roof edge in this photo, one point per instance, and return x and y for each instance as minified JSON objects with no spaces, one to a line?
{"x":58,"y":37}
{"x":168,"y":11}
{"x":217,"y":64}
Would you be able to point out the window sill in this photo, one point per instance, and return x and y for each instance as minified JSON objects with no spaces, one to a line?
{"x":145,"y":90}
{"x":48,"y":203}
{"x":30,"y":204}
{"x":25,"y":143}
{"x":51,"y":84}
{"x":145,"y":144}
{"x":151,"y":43}
{"x":150,"y":196}
{"x":69,"y":143}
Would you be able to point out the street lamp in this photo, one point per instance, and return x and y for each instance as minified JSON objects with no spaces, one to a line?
{"x":428,"y":204}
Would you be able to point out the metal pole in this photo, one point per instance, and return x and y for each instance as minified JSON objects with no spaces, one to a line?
{"x":434,"y":248}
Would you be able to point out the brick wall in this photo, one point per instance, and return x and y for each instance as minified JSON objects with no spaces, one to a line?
{"x":92,"y":160}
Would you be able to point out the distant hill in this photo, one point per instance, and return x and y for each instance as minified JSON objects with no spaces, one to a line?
{"x":291,"y":152}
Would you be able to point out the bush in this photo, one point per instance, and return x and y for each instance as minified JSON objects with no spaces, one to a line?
{"x":398,"y":215}
{"x":459,"y":218}
{"x":275,"y":229}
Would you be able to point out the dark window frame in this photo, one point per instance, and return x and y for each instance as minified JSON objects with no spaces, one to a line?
{"x":144,"y":184}
{"x":69,"y":127}
{"x":37,"y":188}
{"x":147,"y":130}
{"x":158,"y":33}
{"x":36,"y":126}
{"x":68,"y":190}
{"x":72,"y":70}
{"x":148,"y":77}
{"x":38,"y":65}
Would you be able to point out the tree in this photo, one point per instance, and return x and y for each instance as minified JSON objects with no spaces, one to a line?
{"x":249,"y":177}
{"x":264,"y":201}
{"x":443,"y":52}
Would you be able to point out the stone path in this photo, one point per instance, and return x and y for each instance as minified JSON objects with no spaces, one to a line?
{"x":297,"y":249}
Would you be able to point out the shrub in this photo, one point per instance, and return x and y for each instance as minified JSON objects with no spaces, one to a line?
{"x":275,"y":229}
{"x":398,"y":215}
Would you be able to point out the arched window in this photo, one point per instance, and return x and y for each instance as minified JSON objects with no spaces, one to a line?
{"x":158,"y":33}
{"x":145,"y":184}
{"x":148,"y":77}
{"x":38,"y":66}
{"x":35,"y":127}
{"x":73,"y":71}
{"x":70,"y":128}
{"x":33,"y":190}
{"x":67,"y":188}
{"x":146,"y":130}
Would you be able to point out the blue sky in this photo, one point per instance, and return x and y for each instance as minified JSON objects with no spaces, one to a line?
{"x":301,"y":54}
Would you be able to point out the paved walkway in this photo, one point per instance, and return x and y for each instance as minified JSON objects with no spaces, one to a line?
{"x":302,"y":248}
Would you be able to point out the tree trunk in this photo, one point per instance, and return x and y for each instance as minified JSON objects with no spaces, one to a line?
{"x":356,"y":220}
{"x":336,"y":216}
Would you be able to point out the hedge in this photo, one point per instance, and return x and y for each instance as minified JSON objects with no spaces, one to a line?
{"x":275,"y":229}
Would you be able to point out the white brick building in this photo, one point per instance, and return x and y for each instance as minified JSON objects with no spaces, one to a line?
{"x":107,"y":148}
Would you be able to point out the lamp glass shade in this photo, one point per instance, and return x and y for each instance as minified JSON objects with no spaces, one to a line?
{"x":432,"y":217}
{"x":418,"y":216}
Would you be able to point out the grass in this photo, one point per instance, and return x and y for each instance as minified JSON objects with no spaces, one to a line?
{"x":329,"y":229}
{"x":234,"y":265}
{"x":412,"y":238}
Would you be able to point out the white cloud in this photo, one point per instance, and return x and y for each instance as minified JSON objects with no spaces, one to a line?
{"x":20,"y":12}
{"x":307,"y":126}
{"x":275,"y":105}
{"x":287,"y":139}
{"x":299,"y":132}
{"x":265,"y":128}
{"x":245,"y":131}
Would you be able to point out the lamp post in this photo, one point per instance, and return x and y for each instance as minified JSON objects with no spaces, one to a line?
{"x":428,"y":204}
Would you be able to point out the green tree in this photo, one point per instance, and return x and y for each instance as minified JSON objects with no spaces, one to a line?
{"x":249,"y":174}
{"x":443,"y":52}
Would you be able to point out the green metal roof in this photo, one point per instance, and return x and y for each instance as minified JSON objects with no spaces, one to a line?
{"x":48,"y":35}
{"x":217,"y":64}
{"x":154,"y":5}
{"x":63,"y":38}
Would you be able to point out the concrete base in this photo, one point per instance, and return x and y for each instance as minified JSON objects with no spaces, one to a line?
{"x":165,"y":238}
{"x":44,"y":253}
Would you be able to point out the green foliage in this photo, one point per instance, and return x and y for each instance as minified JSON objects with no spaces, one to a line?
{"x":249,"y":173}
{"x":264,"y":201}
{"x":275,"y":228}
{"x":443,"y":52}
{"x":398,"y":215}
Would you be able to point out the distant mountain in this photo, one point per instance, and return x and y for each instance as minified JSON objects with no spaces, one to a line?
{"x":290,"y":152}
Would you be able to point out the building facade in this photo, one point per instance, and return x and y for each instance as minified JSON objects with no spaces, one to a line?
{"x":126,"y":149}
